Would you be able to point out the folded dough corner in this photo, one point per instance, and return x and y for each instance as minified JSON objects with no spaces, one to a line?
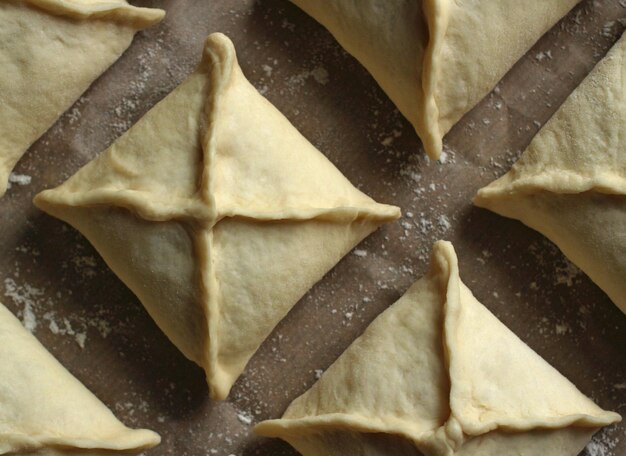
{"x":217,"y":213}
{"x":570,"y":184}
{"x":438,"y":374}
{"x":436,"y":59}
{"x":46,"y":410}
{"x":50,"y":53}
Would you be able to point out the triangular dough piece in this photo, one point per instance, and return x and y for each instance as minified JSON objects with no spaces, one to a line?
{"x":570,"y":184}
{"x":45,"y":411}
{"x":217,"y":213}
{"x":50,"y":53}
{"x":275,"y":245}
{"x":438,"y":374}
{"x":436,"y":59}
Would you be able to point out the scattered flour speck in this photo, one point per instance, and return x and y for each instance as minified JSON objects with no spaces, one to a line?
{"x":244,"y":418}
{"x":80,"y":339}
{"x":268,"y":70}
{"x":19,"y":179}
{"x":320,"y":75}
{"x":443,"y":222}
{"x":25,"y":296}
{"x":602,"y":444}
{"x":561,"y":328}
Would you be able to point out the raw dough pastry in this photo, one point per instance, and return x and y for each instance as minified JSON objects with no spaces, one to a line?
{"x":217,"y":213}
{"x":50,"y":52}
{"x":570,"y":184}
{"x":45,"y":411}
{"x":438,"y":374}
{"x":436,"y":59}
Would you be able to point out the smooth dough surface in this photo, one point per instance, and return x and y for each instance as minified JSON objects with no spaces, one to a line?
{"x":50,"y":53}
{"x":437,"y":374}
{"x":570,"y":184}
{"x":217,"y":213}
{"x":45,"y":411}
{"x":436,"y":59}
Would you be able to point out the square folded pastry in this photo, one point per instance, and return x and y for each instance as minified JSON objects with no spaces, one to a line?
{"x":570,"y":184}
{"x":217,"y":213}
{"x":50,"y":53}
{"x":438,"y":374}
{"x":436,"y":59}
{"x":45,"y":411}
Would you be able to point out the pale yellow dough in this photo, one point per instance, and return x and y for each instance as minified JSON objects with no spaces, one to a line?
{"x":217,"y":213}
{"x":50,"y":52}
{"x":570,"y":184}
{"x":436,"y":59}
{"x":45,"y":411}
{"x":438,"y":374}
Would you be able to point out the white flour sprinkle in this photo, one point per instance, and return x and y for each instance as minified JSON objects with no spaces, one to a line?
{"x":24,"y":295}
{"x":561,"y":328}
{"x":32,"y":300}
{"x":602,"y":444}
{"x":80,"y":339}
{"x":28,"y":318}
{"x":566,"y":273}
{"x":268,"y":70}
{"x":245,"y":418}
{"x":319,"y":74}
{"x":543,"y":55}
{"x":443,"y":222}
{"x":64,"y":327}
{"x":19,"y":179}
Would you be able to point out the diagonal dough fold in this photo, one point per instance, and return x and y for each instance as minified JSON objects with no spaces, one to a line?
{"x":570,"y":184}
{"x":436,"y":59}
{"x":45,"y":411}
{"x":50,"y":53}
{"x":217,"y":213}
{"x":438,"y":374}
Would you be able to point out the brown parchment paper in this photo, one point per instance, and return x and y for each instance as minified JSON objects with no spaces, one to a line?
{"x":55,"y":281}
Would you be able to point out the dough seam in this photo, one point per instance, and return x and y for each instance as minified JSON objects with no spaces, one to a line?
{"x":114,"y":10}
{"x":436,"y":13}
{"x":561,"y":183}
{"x":221,"y":73}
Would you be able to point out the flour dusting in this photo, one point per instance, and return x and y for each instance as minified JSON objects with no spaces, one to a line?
{"x":19,"y":179}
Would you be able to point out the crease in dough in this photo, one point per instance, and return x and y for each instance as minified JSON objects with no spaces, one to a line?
{"x":217,"y":213}
{"x":438,"y":374}
{"x":45,"y":411}
{"x":436,"y":59}
{"x":38,"y":38}
{"x":119,"y":10}
{"x":570,"y":183}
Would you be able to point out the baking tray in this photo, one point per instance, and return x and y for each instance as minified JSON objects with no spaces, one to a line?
{"x":56,"y":282}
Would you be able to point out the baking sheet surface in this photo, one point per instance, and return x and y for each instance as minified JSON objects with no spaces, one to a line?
{"x":56,"y":282}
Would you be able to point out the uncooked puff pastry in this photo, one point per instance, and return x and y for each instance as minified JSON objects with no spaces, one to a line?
{"x":50,"y":52}
{"x":438,"y":374}
{"x":45,"y":411}
{"x":436,"y":59}
{"x":217,"y":213}
{"x":570,"y":184}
